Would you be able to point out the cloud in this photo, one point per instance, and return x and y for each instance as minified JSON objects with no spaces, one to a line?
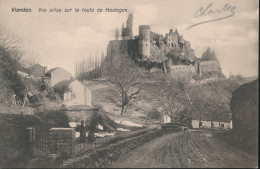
{"x":250,"y":15}
{"x":144,"y":15}
{"x":67,"y":46}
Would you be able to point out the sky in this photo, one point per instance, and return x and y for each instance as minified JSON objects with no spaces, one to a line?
{"x":55,"y":39}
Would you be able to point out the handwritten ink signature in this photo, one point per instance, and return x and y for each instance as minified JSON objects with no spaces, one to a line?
{"x":228,"y":10}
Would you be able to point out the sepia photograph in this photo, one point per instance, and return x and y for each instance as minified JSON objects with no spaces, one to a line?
{"x":129,"y":83}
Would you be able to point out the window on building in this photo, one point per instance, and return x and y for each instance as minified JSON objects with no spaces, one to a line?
{"x":222,"y":125}
{"x":73,"y":96}
{"x":200,"y":124}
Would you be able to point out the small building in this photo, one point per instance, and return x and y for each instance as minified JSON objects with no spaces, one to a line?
{"x":78,"y":94}
{"x":166,"y":119}
{"x":57,"y":75}
{"x":205,"y":122}
{"x":38,"y":71}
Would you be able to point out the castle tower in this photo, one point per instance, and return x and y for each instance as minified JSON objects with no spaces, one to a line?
{"x":144,"y":41}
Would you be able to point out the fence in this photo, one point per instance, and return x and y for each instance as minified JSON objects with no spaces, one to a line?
{"x":42,"y":142}
{"x":83,"y":147}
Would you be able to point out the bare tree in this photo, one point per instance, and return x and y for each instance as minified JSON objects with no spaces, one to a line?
{"x":169,"y":94}
{"x":9,"y":41}
{"x":210,"y":100}
{"x":127,"y":78}
{"x":29,"y":62}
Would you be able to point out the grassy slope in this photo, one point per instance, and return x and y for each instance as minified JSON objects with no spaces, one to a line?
{"x":102,"y":89}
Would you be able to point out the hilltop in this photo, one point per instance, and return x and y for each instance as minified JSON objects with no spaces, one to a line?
{"x":172,"y":54}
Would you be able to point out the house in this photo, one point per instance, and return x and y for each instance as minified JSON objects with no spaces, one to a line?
{"x":222,"y":121}
{"x":166,"y":119}
{"x":78,"y":94}
{"x":38,"y":71}
{"x":57,"y":75}
{"x":207,"y":122}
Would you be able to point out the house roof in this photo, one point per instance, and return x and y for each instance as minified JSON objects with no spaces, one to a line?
{"x":66,"y":84}
{"x":37,"y":65}
{"x":53,"y":69}
{"x":75,"y":80}
{"x":222,"y":117}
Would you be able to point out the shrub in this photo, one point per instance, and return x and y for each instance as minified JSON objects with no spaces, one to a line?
{"x":36,"y":100}
{"x":55,"y":118}
{"x":154,"y":115}
{"x":62,"y":87}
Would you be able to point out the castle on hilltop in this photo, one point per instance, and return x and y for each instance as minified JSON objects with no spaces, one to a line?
{"x":170,"y":53}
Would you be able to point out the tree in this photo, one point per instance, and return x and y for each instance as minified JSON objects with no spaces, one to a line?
{"x":123,"y":30}
{"x":117,"y":33}
{"x":10,"y":62}
{"x":7,"y":40}
{"x":211,"y":100}
{"x":169,"y":94}
{"x":43,"y":84}
{"x":9,"y":76}
{"x":10,"y":42}
{"x":208,"y":55}
{"x":127,"y":78}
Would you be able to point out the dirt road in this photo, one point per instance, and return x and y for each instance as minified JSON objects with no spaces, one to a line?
{"x":195,"y":149}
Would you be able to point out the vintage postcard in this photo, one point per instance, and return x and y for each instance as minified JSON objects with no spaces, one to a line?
{"x":129,"y":83}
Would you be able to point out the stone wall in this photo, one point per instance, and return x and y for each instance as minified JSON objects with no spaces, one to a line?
{"x":62,"y":141}
{"x":157,"y":54}
{"x":122,"y":48}
{"x":184,"y":70}
{"x":208,"y":66}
